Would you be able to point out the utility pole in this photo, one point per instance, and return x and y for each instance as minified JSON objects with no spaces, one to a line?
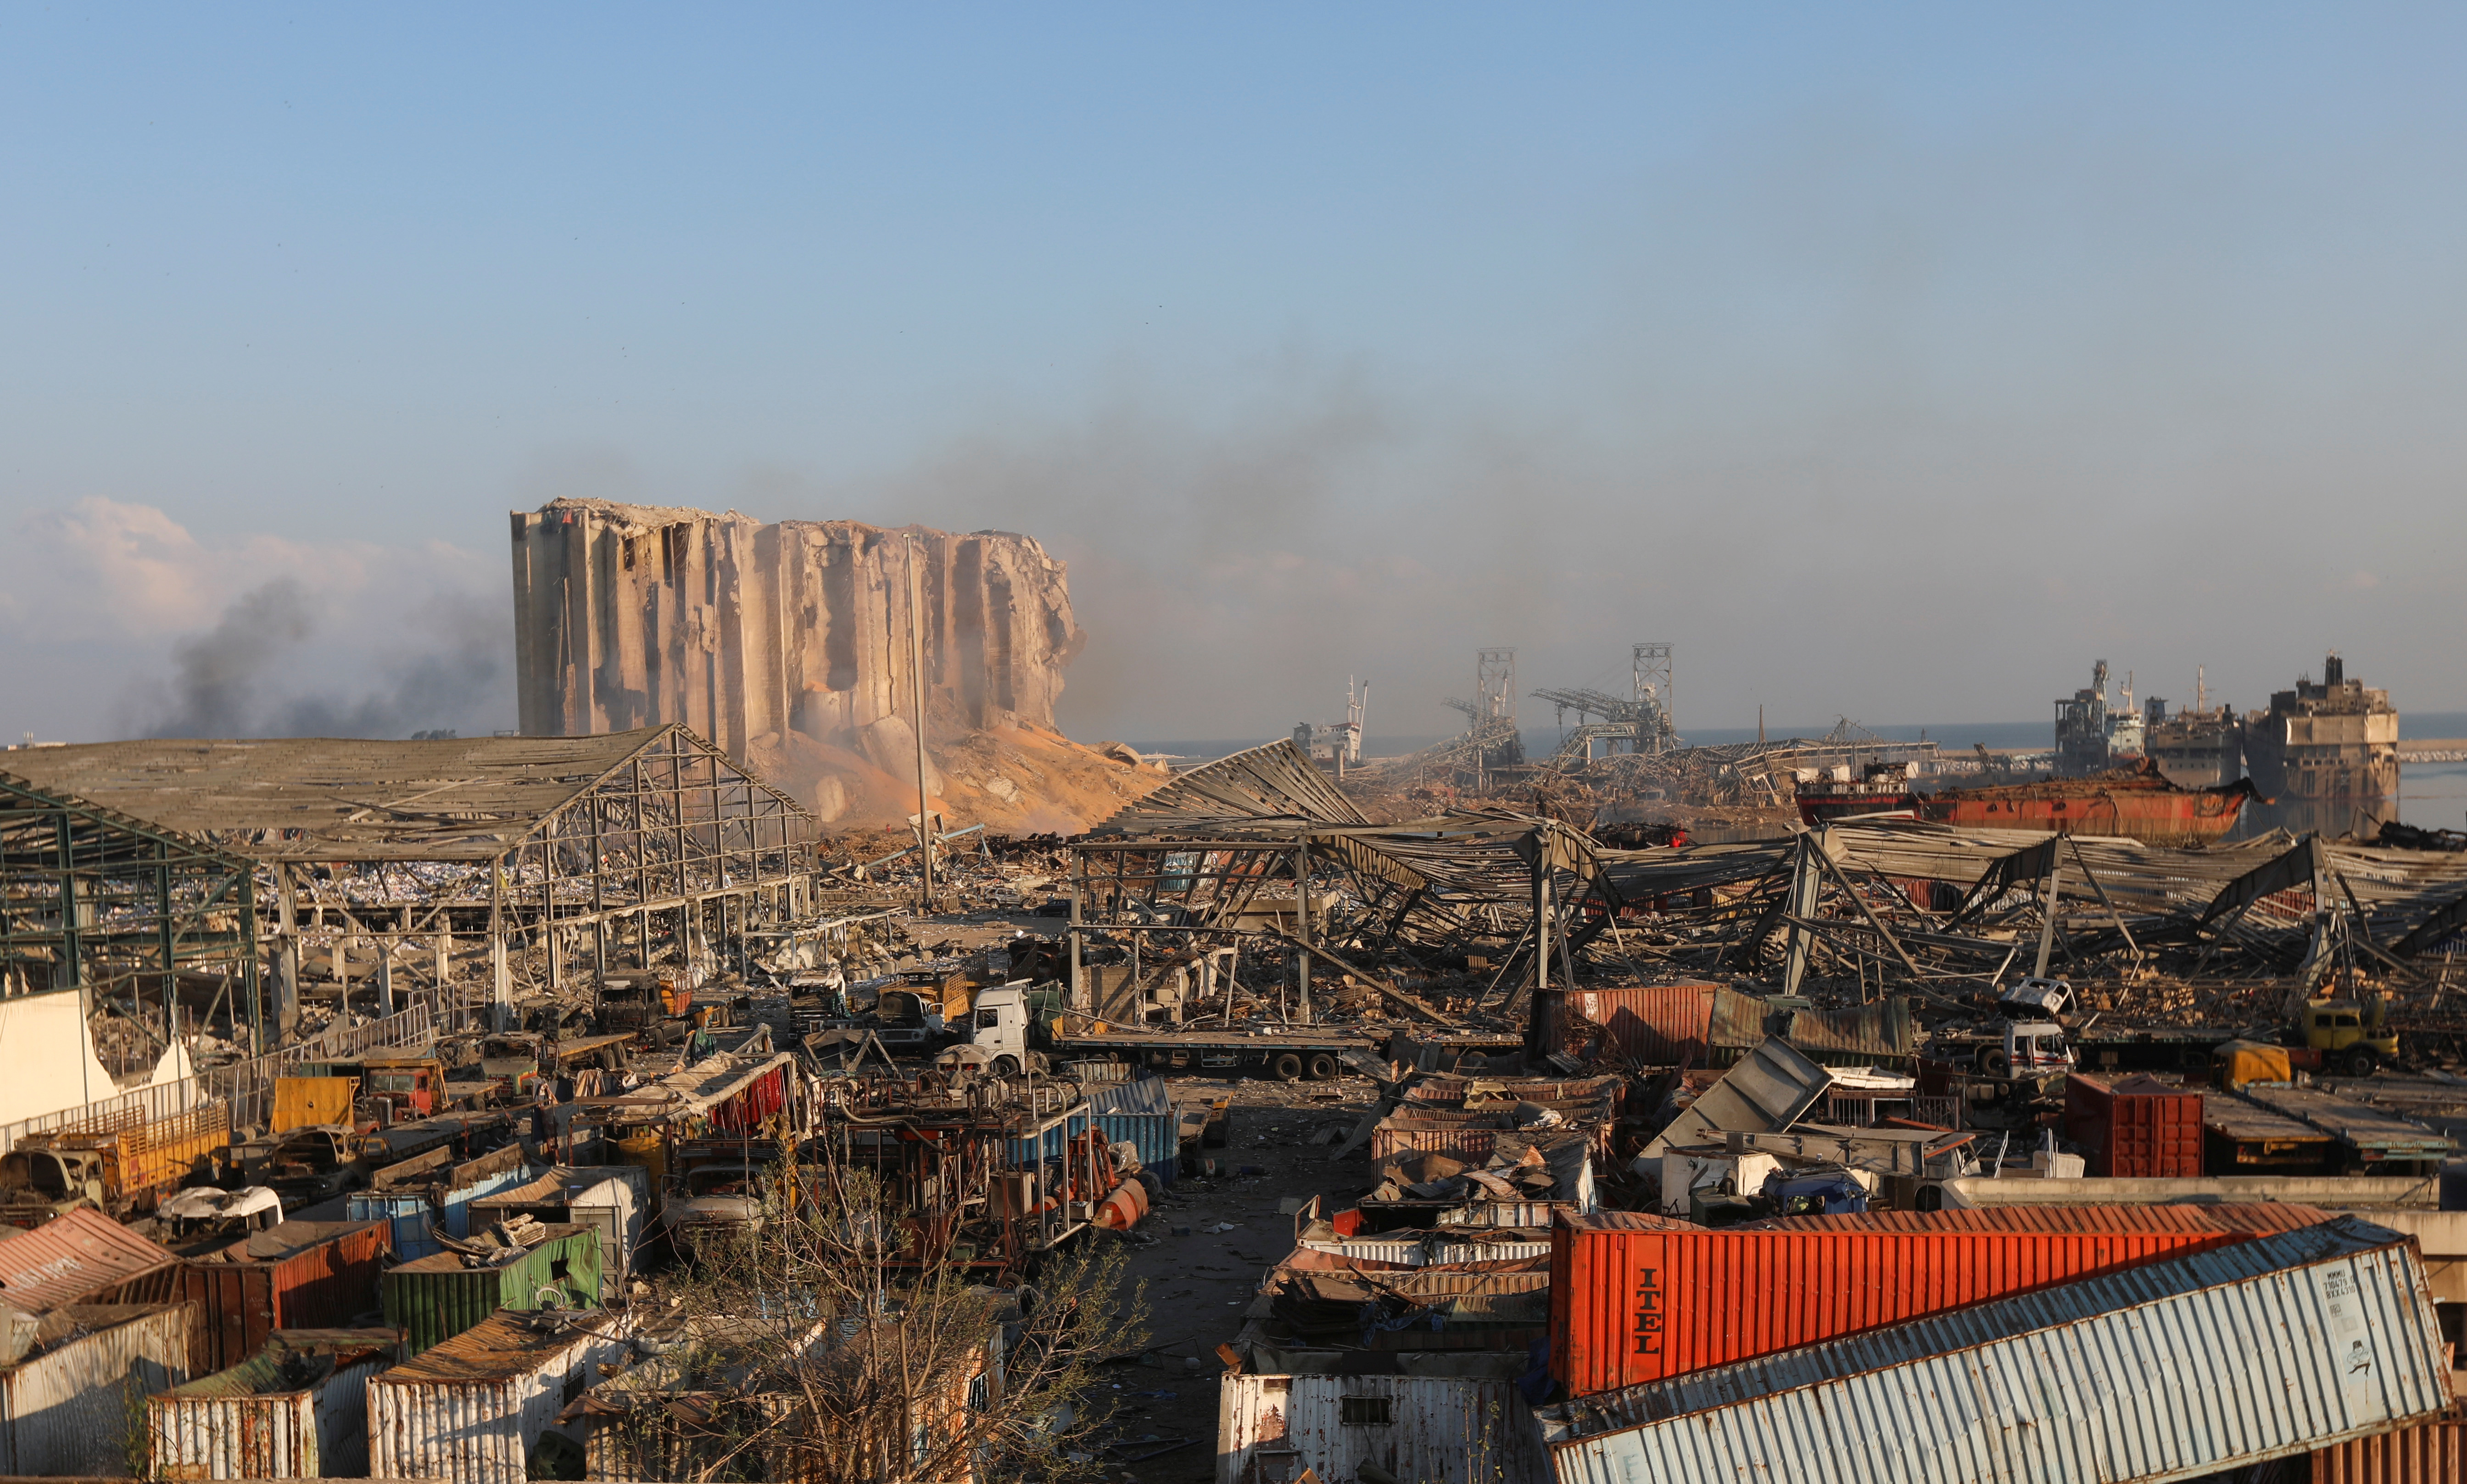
{"x":916,"y":685}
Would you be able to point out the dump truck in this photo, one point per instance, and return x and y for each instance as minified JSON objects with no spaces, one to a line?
{"x":120,"y":1165}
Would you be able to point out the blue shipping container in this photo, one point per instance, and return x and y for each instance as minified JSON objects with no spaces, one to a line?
{"x":1155,"y":1136}
{"x":411,"y":1218}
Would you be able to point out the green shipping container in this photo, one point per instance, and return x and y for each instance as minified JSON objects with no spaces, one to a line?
{"x":433,"y":1298}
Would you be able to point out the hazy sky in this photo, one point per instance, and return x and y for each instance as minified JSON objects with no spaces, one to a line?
{"x":1895,"y":361}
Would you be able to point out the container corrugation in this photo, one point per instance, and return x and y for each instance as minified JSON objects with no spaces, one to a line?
{"x":1422,"y":1428}
{"x":613,"y":1200}
{"x":1472,"y":1135}
{"x":435,"y":1298}
{"x":471,"y":1410}
{"x":83,"y":1257}
{"x":2139,"y":1129}
{"x":317,"y":1276}
{"x":1153,"y":1135}
{"x":321,"y":1431}
{"x":649,"y":1444}
{"x":1417,"y":1250}
{"x":66,"y":1411}
{"x":2175,"y":1371}
{"x":1097,"y":1070}
{"x":1659,"y":1024}
{"x":1632,"y":1303}
{"x":1878,"y":1031}
{"x":2429,"y":1452}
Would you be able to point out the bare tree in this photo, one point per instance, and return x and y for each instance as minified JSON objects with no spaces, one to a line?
{"x":844,"y":1341}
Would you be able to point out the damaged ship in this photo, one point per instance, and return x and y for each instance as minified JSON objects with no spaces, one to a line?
{"x":2336,"y":740}
{"x":2138,"y":801}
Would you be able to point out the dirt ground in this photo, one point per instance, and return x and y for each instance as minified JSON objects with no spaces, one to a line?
{"x":1199,"y":1280}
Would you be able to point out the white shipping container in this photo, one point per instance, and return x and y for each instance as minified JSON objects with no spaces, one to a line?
{"x":472,"y":1411}
{"x":2264,"y":1349}
{"x":1433,"y":1428}
{"x":76,"y":1404}
{"x":245,"y":1423}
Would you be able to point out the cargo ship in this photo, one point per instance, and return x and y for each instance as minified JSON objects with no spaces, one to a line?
{"x":2336,"y":740}
{"x":2138,"y":801}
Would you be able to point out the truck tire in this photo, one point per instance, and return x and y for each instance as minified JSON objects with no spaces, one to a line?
{"x":2359,"y":1062}
{"x":1286,"y":1067}
{"x":1006,"y":1067}
{"x":1324,"y":1066}
{"x":1994,"y":1062}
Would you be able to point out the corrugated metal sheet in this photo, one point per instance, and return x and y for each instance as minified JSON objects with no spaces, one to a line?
{"x":1880,"y":1030}
{"x":471,"y":1410}
{"x":1633,"y":1303}
{"x":1135,"y":1095}
{"x":1659,"y":1024}
{"x":436,"y":1298}
{"x":1432,"y":1428}
{"x":1155,"y":1136}
{"x":1767,"y":1089}
{"x":1549,"y":1090}
{"x":1738,"y":1020}
{"x":2429,"y":1452}
{"x":72,"y":1407}
{"x":1436,"y":1248}
{"x":2180,"y":1369}
{"x":246,"y":1424}
{"x":296,"y":1276}
{"x":84,"y":1257}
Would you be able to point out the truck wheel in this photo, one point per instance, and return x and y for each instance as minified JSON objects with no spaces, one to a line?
{"x":1994,"y":1062}
{"x":1287,"y":1066}
{"x":1006,"y":1067}
{"x":1322,"y":1067}
{"x":2359,"y":1062}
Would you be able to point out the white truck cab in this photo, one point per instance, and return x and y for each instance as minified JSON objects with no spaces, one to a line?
{"x":995,"y":1038}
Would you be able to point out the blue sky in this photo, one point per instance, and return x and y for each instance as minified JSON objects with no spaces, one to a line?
{"x":1895,"y":361}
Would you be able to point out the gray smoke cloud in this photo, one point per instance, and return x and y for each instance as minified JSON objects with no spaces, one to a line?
{"x":254,"y":674}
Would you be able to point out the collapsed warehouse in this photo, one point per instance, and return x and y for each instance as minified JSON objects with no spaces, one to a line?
{"x":477,"y":873}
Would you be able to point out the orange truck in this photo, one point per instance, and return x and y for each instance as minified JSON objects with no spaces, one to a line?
{"x":122,"y":1164}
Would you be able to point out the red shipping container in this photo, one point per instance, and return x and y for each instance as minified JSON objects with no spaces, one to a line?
{"x":2140,"y":1128}
{"x":1659,"y":1024}
{"x":1637,"y":1299}
{"x":301,"y":1275}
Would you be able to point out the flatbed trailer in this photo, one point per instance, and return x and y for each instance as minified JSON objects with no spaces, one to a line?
{"x":2103,"y":1049}
{"x":1289,"y":1056}
{"x":2245,"y":1139}
{"x":2369,"y":1138}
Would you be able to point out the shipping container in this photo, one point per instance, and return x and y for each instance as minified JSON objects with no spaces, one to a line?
{"x":1474,"y":1136}
{"x":612,"y":1199}
{"x":417,"y":1210}
{"x":473,"y":1409}
{"x":1438,"y":1428}
{"x":84,"y":1257}
{"x":2177,"y":1370}
{"x":1438,"y":1248}
{"x":301,"y":1275}
{"x":1154,"y":1134}
{"x":2241,"y":1138}
{"x":75,"y":1405}
{"x":1637,"y":1299}
{"x":435,"y":1298}
{"x":1658,"y":1024}
{"x":2139,"y":1128}
{"x":297,"y":1409}
{"x":2426,"y":1452}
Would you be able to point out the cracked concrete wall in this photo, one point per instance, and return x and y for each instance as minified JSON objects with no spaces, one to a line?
{"x":759,"y":634}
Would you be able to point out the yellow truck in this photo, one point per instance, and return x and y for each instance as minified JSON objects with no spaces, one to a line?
{"x":122,"y":1164}
{"x":2343,"y":1037}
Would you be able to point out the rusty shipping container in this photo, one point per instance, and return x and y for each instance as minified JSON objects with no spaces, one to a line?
{"x":2201,"y":1366}
{"x":84,"y":1257}
{"x":1270,"y":1429}
{"x":473,"y":1409}
{"x":1635,"y":1298}
{"x":297,"y":1409}
{"x":2138,"y":1128}
{"x":2429,"y":1452}
{"x":1659,"y":1024}
{"x":301,"y":1275}
{"x":64,"y":1408}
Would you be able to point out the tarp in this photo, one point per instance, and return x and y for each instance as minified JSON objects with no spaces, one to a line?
{"x":47,"y":1061}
